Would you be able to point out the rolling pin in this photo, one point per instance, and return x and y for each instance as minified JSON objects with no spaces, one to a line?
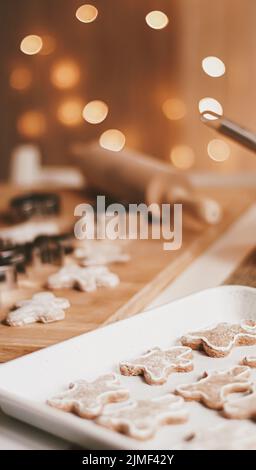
{"x":132,"y":177}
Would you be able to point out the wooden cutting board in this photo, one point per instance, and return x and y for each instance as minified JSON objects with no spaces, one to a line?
{"x":245,"y":273}
{"x":149,"y":271}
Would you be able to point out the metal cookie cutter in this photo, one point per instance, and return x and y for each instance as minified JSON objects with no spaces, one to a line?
{"x":51,"y":249}
{"x":34,"y":204}
{"x":8,"y":278}
{"x":13,"y":256}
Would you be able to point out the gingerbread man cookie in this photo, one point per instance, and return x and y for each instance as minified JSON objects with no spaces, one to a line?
{"x":249,"y":361}
{"x":241,"y":408}
{"x":96,"y":253}
{"x":157,"y":364}
{"x":222,"y":437}
{"x":141,"y":419}
{"x":218,"y":341}
{"x":87,"y":399}
{"x":44,"y":307}
{"x":213,"y":388}
{"x":85,"y":279}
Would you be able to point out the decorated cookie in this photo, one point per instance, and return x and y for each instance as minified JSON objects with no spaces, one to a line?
{"x":44,"y":307}
{"x":218,"y":341}
{"x":222,"y":437}
{"x":141,"y":419}
{"x":249,"y":361}
{"x":242,"y":408}
{"x":85,"y":279}
{"x":213,"y":388}
{"x":96,"y":253}
{"x":87,"y":399}
{"x":157,"y":364}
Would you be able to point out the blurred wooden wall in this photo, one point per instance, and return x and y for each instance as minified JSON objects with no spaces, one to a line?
{"x":134,"y":69}
{"x":226,"y":29}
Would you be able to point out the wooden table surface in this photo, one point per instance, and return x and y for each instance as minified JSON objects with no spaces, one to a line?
{"x":142,"y":279}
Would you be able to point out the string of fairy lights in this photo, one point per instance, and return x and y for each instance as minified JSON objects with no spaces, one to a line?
{"x":65,"y":74}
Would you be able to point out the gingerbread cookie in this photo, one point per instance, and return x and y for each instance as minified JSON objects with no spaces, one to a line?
{"x":141,"y":419}
{"x":218,"y":341}
{"x":222,"y":437}
{"x":85,"y":279}
{"x":96,"y":253}
{"x":249,"y":361}
{"x":157,"y":364}
{"x":241,"y":408}
{"x":43,"y":307}
{"x":87,"y":399}
{"x":213,"y":388}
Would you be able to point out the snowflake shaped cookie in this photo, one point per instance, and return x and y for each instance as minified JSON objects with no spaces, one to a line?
{"x":157,"y":364}
{"x":214,"y":387}
{"x":141,"y":419}
{"x":87,"y":399}
{"x":85,"y":279}
{"x":218,"y":341}
{"x":44,"y":307}
{"x":96,"y":253}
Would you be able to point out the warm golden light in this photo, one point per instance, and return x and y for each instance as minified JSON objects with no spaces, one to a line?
{"x":218,"y":150}
{"x":182,"y":157}
{"x":157,"y":19}
{"x":20,"y":78}
{"x":49,"y":45}
{"x":87,"y":13}
{"x":69,"y":112}
{"x":174,"y":109}
{"x":210,"y":104}
{"x":31,"y":124}
{"x":95,"y":112}
{"x":213,"y":66}
{"x":31,"y":44}
{"x":65,"y":74}
{"x":112,"y":139}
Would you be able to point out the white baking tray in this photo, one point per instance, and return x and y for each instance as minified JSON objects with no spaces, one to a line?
{"x":26,"y":383}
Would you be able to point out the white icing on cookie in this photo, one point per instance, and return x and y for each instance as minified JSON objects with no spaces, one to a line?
{"x":214,"y":387}
{"x":217,"y":341}
{"x":241,"y":408}
{"x":157,"y":364}
{"x":95,"y":253}
{"x":141,"y":419}
{"x":249,"y":361}
{"x":43,"y":307}
{"x":85,"y":279}
{"x":87,"y":399}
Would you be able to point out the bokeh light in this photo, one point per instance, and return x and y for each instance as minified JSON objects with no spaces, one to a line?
{"x":20,"y":78}
{"x":31,"y":124}
{"x":210,"y":104}
{"x":87,"y":13}
{"x":218,"y":150}
{"x":65,"y":74}
{"x":157,"y":19}
{"x":95,"y":112}
{"x":49,"y":45}
{"x":69,"y":112}
{"x":213,"y":66}
{"x":31,"y":44}
{"x":174,"y":109}
{"x":112,"y":139}
{"x":182,"y":157}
